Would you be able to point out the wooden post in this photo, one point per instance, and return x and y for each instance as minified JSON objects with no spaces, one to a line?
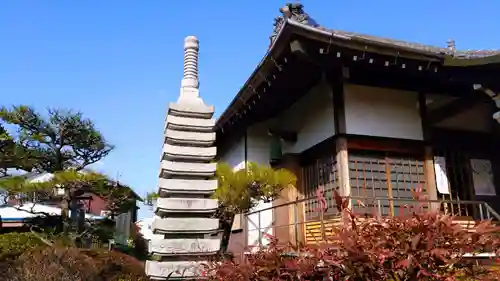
{"x":343,"y":167}
{"x":430,"y":173}
{"x":389,"y":186}
{"x":430,"y":177}
{"x":336,"y":80}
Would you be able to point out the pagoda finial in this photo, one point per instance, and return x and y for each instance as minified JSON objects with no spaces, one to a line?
{"x":451,"y":45}
{"x":191,"y":48}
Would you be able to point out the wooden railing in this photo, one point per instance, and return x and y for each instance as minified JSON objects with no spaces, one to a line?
{"x":312,"y":231}
{"x":318,"y":177}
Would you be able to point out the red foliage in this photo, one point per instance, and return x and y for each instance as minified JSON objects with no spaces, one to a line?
{"x":416,"y":246}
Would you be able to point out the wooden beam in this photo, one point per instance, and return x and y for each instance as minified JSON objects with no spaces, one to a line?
{"x":450,"y":109}
{"x":342,"y":159}
{"x":429,"y":172}
{"x":336,"y":80}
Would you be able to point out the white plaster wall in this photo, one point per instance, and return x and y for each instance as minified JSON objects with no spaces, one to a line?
{"x":258,"y":145}
{"x":382,"y":112}
{"x":234,"y":155}
{"x":311,"y":117}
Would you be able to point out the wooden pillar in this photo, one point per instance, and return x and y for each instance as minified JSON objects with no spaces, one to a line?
{"x":337,"y":80}
{"x":430,"y":177}
{"x":342,"y":166}
{"x":430,"y":174}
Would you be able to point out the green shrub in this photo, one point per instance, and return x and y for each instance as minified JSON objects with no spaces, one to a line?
{"x":13,"y":244}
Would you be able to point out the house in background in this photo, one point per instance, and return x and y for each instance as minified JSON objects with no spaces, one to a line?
{"x":93,"y":206}
{"x":376,"y":119}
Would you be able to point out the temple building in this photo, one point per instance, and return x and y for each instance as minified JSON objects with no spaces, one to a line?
{"x":380,"y":120}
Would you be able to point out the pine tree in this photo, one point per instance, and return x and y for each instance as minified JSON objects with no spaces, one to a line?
{"x":13,"y":156}
{"x":240,"y":191}
{"x":62,"y":143}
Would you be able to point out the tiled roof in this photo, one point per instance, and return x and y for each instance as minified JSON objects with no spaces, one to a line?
{"x":462,"y":54}
{"x":295,"y":12}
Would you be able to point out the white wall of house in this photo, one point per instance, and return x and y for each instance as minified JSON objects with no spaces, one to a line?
{"x":258,"y":144}
{"x":235,"y":154}
{"x":382,"y":112}
{"x":257,"y":150}
{"x":311,"y":117}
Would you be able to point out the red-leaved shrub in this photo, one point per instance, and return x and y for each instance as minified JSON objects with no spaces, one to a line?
{"x":418,"y":245}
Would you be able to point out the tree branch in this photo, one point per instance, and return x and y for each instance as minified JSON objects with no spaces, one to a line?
{"x":47,"y":242}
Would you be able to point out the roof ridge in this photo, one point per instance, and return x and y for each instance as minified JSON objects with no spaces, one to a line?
{"x":296,"y":13}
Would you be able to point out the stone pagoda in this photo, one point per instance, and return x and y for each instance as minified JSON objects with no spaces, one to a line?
{"x":184,"y":213}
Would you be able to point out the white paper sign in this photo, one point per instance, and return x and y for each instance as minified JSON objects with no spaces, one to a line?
{"x":442,"y":183}
{"x":482,"y":177}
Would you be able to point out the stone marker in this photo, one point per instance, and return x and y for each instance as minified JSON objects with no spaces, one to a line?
{"x":184,"y":212}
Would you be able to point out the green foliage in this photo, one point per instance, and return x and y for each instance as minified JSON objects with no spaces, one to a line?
{"x":66,"y":179}
{"x":13,"y":155}
{"x":239,"y":191}
{"x":119,"y":198}
{"x":14,"y":244}
{"x":233,"y":190}
{"x":150,"y":197}
{"x":63,"y":143}
{"x":64,"y":139}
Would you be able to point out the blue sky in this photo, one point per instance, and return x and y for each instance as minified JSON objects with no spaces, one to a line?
{"x":120,"y":62}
